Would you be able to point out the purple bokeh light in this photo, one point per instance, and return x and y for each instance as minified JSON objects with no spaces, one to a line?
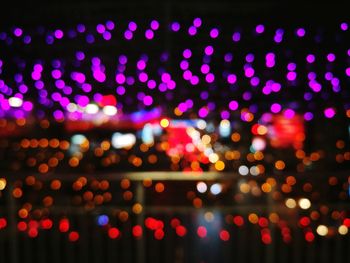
{"x":192,"y":30}
{"x":209,"y":50}
{"x":329,"y":113}
{"x":147,"y":100}
{"x":347,"y":71}
{"x":59,"y":34}
{"x":197,"y":22}
{"x":291,"y":66}
{"x":344,"y":26}
{"x":231,"y":78}
{"x":308,"y":116}
{"x":184,"y":64}
{"x":154,"y":25}
{"x":236,"y":37}
{"x":300,"y":32}
{"x":128,"y":35}
{"x":331,"y":57}
{"x":233,"y":105}
{"x":289,"y":113}
{"x":175,"y":26}
{"x":187,"y":53}
{"x":120,"y":78}
{"x":276,"y":108}
{"x":132,"y":26}
{"x":214,"y":33}
{"x":81,"y":28}
{"x":110,"y":25}
{"x":291,"y":76}
{"x":310,"y":58}
{"x":18,"y":32}
{"x":203,"y":112}
{"x":205,"y":68}
{"x":259,"y":29}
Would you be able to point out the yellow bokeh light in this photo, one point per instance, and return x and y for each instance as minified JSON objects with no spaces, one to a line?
{"x":177,"y":111}
{"x":258,"y":156}
{"x":244,"y":188}
{"x":206,"y":139}
{"x":253,"y":218}
{"x":219,"y":165}
{"x":322,"y":230}
{"x":304,"y":203}
{"x":23,"y":213}
{"x":213,"y":157}
{"x":274,"y":218}
{"x":266,"y":188}
{"x":2,"y":183}
{"x":137,"y":208}
{"x":159,"y":187}
{"x":164,"y":123}
{"x":235,"y":137}
{"x":147,"y":182}
{"x":280,"y":165}
{"x":144,"y":147}
{"x":262,"y":130}
{"x":343,"y":230}
{"x":271,"y":181}
{"x":300,"y":154}
{"x":125,"y":183}
{"x":105,"y":145}
{"x":290,"y":203}
{"x":209,"y":217}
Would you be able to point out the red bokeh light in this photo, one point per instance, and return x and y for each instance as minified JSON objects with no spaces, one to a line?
{"x":181,"y":231}
{"x":73,"y":236}
{"x":201,"y":231}
{"x":304,"y":221}
{"x":151,"y":223}
{"x":33,"y":232}
{"x":174,"y":222}
{"x":113,"y":233}
{"x":33,"y":224}
{"x":3,"y":223}
{"x":238,"y":220}
{"x":285,"y":231}
{"x":287,"y":238}
{"x":263,"y":222}
{"x":224,"y":235}
{"x":160,"y":224}
{"x":22,"y":226}
{"x":46,"y":223}
{"x":64,"y":225}
{"x":137,"y":231}
{"x":159,"y":234}
{"x":266,"y":239}
{"x":287,"y":132}
{"x":108,"y":100}
{"x":309,"y":236}
{"x":346,"y":222}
